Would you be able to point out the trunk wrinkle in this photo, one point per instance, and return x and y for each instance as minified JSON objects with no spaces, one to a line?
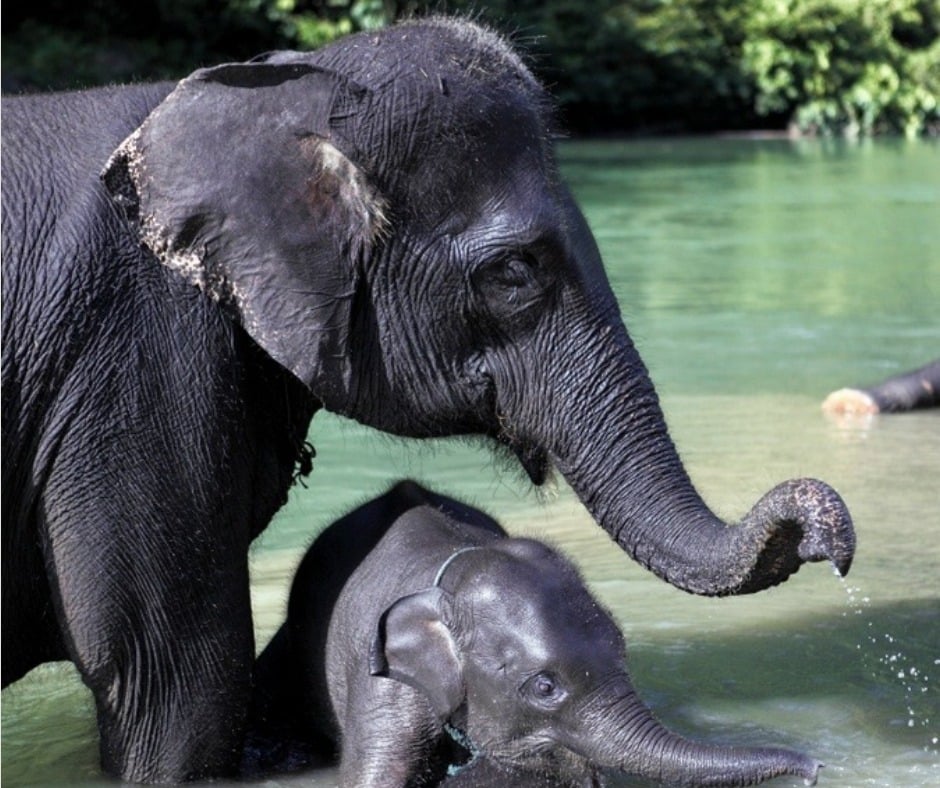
{"x":627,"y":472}
{"x":598,"y":418}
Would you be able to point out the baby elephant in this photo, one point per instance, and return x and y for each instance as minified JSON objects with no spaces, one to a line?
{"x":419,"y":630}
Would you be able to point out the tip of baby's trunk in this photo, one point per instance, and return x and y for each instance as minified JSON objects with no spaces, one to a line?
{"x":800,"y":765}
{"x":810,"y":773}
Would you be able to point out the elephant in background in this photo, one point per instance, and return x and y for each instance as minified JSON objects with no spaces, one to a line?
{"x":919,"y":388}
{"x":191,"y":271}
{"x":416,"y":627}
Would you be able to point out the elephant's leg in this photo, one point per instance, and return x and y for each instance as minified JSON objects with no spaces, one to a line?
{"x":156,"y":614}
{"x":280,"y":736}
{"x":30,"y":630}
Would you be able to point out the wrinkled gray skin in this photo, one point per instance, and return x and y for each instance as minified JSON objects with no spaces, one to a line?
{"x":190,"y":272}
{"x":446,"y":621}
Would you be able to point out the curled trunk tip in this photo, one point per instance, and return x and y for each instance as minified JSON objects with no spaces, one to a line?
{"x":797,"y":521}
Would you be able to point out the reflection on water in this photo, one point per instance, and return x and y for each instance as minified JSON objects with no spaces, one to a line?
{"x":755,"y":277}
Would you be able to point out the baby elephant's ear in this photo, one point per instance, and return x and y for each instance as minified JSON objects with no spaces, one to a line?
{"x":247,"y":181}
{"x":413,"y":645}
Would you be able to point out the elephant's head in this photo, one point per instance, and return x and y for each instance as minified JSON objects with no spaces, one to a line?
{"x":511,"y":649}
{"x":384,"y":218}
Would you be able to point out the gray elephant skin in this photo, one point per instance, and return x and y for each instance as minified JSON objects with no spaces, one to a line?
{"x":415,"y":622}
{"x":192,"y":270}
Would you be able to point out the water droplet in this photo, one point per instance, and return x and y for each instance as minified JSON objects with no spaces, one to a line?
{"x":887,"y":661}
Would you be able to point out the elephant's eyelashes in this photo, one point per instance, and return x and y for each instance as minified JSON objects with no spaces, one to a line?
{"x":514,"y":272}
{"x":510,"y":283}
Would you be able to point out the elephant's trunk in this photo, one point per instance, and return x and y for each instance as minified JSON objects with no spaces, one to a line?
{"x":600,"y":420}
{"x":627,"y":737}
{"x":623,"y":465}
{"x":648,"y":504}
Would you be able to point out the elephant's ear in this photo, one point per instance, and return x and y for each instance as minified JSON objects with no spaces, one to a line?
{"x":247,"y":182}
{"x":414,"y":645}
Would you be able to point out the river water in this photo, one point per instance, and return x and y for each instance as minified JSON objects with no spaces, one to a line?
{"x":755,"y":276}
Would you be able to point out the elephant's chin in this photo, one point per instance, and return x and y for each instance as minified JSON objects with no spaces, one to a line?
{"x":556,"y":765}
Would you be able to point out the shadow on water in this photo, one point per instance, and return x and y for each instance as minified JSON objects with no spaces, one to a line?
{"x":856,"y":655}
{"x":856,"y":688}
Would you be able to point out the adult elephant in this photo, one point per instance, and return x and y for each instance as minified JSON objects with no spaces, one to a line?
{"x":376,"y":228}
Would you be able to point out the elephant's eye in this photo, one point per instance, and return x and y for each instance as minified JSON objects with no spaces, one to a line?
{"x":511,"y":283}
{"x":515,"y":272}
{"x":543,"y":687}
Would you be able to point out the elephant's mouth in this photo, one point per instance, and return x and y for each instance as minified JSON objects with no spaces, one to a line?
{"x":544,"y":756}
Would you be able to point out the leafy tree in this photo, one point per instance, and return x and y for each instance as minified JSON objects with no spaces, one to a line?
{"x":847,"y":66}
{"x":824,"y":66}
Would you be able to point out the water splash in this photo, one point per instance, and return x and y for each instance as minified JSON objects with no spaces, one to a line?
{"x":893,"y":665}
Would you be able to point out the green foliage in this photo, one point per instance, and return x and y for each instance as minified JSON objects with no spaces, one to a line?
{"x":62,"y":44}
{"x":852,"y":67}
{"x":849,"y":67}
{"x":649,"y":65}
{"x":311,"y":25}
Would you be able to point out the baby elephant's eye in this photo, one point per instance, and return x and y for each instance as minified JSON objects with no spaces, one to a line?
{"x":543,"y":685}
{"x":544,"y":691}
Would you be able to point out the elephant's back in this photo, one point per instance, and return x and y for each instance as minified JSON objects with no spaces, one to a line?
{"x":318,"y":585}
{"x":63,"y":238}
{"x":67,"y":252}
{"x":72,"y":134}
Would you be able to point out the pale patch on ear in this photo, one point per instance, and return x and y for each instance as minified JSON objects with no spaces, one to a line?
{"x":242,"y":181}
{"x":123,"y":175}
{"x":337,"y":185}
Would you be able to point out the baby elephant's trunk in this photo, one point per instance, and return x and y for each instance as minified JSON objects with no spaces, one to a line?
{"x":624,"y":735}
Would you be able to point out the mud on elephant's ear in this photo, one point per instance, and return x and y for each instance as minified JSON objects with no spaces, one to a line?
{"x":247,"y":181}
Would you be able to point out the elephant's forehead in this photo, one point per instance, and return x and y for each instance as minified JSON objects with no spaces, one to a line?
{"x":535,"y":621}
{"x":445,"y":86}
{"x":425,"y":48}
{"x":508,"y":197}
{"x":518,"y":211}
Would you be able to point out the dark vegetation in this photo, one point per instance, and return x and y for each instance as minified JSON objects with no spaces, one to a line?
{"x":840,"y":67}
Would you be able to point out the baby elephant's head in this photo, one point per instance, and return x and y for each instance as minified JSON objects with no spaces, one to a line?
{"x":513,"y":651}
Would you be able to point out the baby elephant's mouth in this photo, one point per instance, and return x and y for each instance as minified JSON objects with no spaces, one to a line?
{"x":543,"y":757}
